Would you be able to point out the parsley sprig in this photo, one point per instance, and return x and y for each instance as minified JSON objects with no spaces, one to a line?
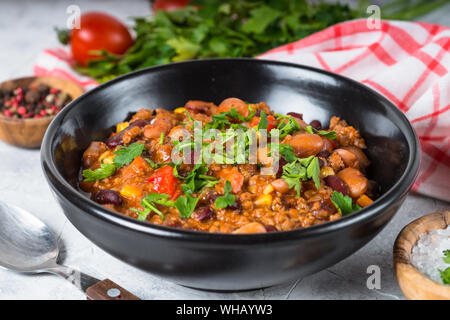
{"x":123,"y":157}
{"x":287,"y":125}
{"x":149,"y":204}
{"x":330,"y":135}
{"x":186,"y":205}
{"x":344,"y":204}
{"x":301,"y":170}
{"x":227,"y":199}
{"x":103,"y":172}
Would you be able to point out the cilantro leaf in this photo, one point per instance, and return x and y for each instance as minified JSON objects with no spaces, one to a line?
{"x":313,"y":172}
{"x":197,"y":179}
{"x":344,"y":204}
{"x":447,"y":256}
{"x":227,"y":199}
{"x":330,"y":135}
{"x":445,"y":275}
{"x":103,"y":172}
{"x":125,"y":155}
{"x":186,"y":205}
{"x":148,"y":203}
{"x":260,"y":19}
{"x":293,"y":173}
{"x":263,"y":122}
{"x":287,"y":125}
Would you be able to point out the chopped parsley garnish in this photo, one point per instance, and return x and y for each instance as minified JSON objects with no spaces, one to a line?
{"x":227,"y":199}
{"x":149,"y":204}
{"x":186,"y":205}
{"x":103,"y":172}
{"x":301,"y":170}
{"x":125,"y":155}
{"x":344,"y":204}
{"x":446,"y":256}
{"x":263,"y":122}
{"x":286,"y":125}
{"x":197,"y":179}
{"x":161,"y":138}
{"x":445,"y":275}
{"x":330,"y":135}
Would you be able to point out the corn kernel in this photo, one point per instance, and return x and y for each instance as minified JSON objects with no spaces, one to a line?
{"x":326,"y":171}
{"x":264,"y":200}
{"x":179,"y":110}
{"x":130,"y":192}
{"x":107,"y":157}
{"x":121,"y":126}
{"x":268,"y":189}
{"x":364,"y":201}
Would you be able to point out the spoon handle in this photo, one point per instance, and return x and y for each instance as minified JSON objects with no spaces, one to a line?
{"x":94,"y":288}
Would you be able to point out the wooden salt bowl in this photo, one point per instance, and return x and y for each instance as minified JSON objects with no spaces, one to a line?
{"x":414,"y":284}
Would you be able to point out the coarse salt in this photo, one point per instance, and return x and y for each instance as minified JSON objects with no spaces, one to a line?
{"x":428,"y":253}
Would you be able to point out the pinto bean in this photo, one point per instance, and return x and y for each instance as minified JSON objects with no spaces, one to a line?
{"x":92,"y":153}
{"x":108,"y":197}
{"x":197,"y":106}
{"x":347,"y":157}
{"x":280,"y":185}
{"x":305,"y":144}
{"x":234,"y":103}
{"x":252,"y":227}
{"x":360,"y":156}
{"x":156,"y":127}
{"x":337,"y":184}
{"x":355,"y":180}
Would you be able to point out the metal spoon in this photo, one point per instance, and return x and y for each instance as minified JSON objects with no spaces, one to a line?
{"x":27,"y":245}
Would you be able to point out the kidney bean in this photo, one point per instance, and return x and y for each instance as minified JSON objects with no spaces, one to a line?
{"x":108,"y":197}
{"x":270,"y":228}
{"x":92,"y":153}
{"x":211,"y":197}
{"x":337,"y":184}
{"x":117,"y":139}
{"x":203,"y":213}
{"x":236,"y":206}
{"x":295,"y":115}
{"x":281,"y":163}
{"x":316,"y":124}
{"x":324,"y":154}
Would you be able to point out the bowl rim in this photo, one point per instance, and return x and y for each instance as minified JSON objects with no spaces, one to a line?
{"x":75,"y":197}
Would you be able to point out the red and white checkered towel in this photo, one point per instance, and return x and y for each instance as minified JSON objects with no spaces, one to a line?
{"x":407,"y":62}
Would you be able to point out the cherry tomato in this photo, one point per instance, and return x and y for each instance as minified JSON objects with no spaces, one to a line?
{"x":164,"y":181}
{"x":169,"y":5}
{"x":98,"y":31}
{"x":272,"y":122}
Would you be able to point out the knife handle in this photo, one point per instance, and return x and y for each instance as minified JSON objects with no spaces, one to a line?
{"x":108,"y":290}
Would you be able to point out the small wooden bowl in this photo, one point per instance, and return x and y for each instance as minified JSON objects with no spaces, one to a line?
{"x":414,"y":284}
{"x":28,"y":133}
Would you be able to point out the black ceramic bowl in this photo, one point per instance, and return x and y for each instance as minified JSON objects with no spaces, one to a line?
{"x":227,"y":261}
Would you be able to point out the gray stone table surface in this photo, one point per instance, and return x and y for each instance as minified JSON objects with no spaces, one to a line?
{"x":26,"y":27}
